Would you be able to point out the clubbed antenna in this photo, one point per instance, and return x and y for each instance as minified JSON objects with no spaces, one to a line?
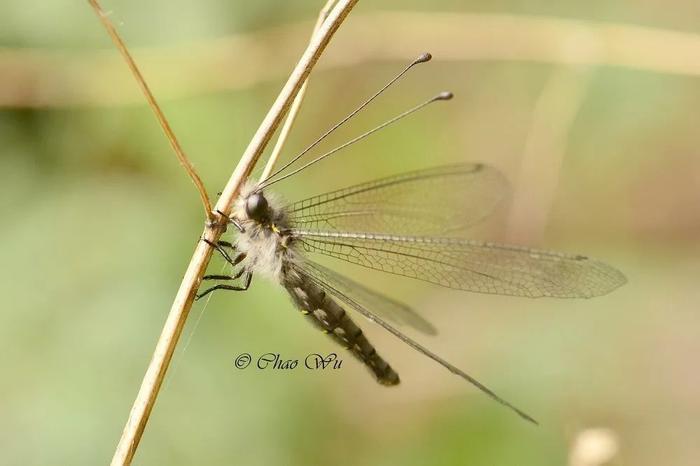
{"x":423,"y":58}
{"x":446,"y":95}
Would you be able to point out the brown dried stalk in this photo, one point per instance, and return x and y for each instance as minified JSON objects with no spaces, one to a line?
{"x":184,"y":161}
{"x":296,"y":105}
{"x":141,"y":409}
{"x":553,"y":117}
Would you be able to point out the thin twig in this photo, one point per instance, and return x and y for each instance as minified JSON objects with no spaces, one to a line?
{"x":296,"y":105}
{"x":189,"y":168}
{"x":284,"y":100}
{"x":141,"y":409}
{"x":553,"y":117}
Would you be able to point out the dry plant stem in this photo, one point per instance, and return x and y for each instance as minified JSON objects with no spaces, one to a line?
{"x":296,"y":105}
{"x":175,"y":322}
{"x":281,"y":105}
{"x":119,"y":43}
{"x":553,"y":117}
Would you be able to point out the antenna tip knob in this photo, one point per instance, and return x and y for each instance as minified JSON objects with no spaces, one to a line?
{"x":423,"y":58}
{"x":445,"y":95}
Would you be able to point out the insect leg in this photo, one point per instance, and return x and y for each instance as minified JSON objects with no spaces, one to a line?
{"x":225,"y":277}
{"x":246,"y":285}
{"x":232,"y":221}
{"x":220,"y":249}
{"x":226,"y":244}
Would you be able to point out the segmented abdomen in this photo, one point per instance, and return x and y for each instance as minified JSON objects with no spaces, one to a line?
{"x":332,"y":319}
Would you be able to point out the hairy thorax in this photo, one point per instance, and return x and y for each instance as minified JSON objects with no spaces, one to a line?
{"x":267,"y":245}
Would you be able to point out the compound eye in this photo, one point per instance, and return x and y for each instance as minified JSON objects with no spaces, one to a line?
{"x":256,"y":207}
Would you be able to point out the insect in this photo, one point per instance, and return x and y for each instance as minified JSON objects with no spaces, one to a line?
{"x":406,"y":225}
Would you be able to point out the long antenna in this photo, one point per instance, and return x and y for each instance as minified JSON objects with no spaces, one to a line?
{"x":446,"y":95}
{"x":425,"y":57}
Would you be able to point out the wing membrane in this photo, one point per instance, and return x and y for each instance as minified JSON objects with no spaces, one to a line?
{"x":393,"y":310}
{"x":470,"y":265}
{"x":319,"y":279}
{"x":441,"y":200}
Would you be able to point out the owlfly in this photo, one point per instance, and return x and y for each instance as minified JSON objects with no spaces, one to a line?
{"x":406,"y":225}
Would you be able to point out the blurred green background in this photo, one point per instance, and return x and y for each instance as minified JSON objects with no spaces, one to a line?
{"x":594,"y":121}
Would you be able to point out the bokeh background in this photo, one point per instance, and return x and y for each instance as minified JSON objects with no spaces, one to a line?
{"x":589,"y":108}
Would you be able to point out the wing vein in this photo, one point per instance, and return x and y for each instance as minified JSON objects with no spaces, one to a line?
{"x":412,"y":343}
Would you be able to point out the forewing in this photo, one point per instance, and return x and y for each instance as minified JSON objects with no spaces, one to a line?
{"x":436,"y":201}
{"x":391,"y":309}
{"x":470,"y":265}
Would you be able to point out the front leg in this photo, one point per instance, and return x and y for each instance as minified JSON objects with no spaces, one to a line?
{"x":233,"y":221}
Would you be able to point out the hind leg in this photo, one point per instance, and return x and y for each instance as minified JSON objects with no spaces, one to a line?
{"x":246,"y":283}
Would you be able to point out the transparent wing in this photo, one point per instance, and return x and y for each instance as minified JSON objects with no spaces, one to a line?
{"x":319,"y":279}
{"x":469,"y":265}
{"x":436,"y":201}
{"x":393,"y":310}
